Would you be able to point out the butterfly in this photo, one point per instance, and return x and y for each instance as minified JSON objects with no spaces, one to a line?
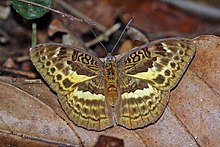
{"x":131,"y":91}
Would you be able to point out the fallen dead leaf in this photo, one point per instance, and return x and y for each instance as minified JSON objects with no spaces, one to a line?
{"x":24,"y":115}
{"x":196,"y":100}
{"x":29,"y":110}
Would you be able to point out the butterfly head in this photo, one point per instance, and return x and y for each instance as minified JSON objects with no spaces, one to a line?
{"x":109,"y":58}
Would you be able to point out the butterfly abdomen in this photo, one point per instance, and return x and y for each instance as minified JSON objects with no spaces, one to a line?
{"x":111,"y":80}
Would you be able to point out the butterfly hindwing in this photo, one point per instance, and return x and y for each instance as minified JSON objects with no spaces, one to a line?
{"x":86,"y":106}
{"x":76,"y":77}
{"x":140,"y":103}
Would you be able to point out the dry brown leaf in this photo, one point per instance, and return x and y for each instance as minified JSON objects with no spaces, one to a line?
{"x":196,"y":100}
{"x":24,"y":115}
{"x":8,"y":139}
{"x":29,"y":109}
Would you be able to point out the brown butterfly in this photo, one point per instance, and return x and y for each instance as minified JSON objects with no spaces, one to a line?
{"x":131,"y":91}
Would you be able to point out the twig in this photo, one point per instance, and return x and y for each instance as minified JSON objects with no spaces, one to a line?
{"x":78,"y":14}
{"x":22,"y":59}
{"x":72,"y":18}
{"x":34,"y":34}
{"x":18,"y":72}
{"x":73,"y":11}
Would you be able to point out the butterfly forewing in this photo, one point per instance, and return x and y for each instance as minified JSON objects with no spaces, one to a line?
{"x":147,"y":74}
{"x":161,"y":63}
{"x":76,"y":77}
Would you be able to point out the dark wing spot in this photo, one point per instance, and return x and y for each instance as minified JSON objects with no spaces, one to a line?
{"x":67,"y":83}
{"x":52,"y":70}
{"x":167,"y":72}
{"x":43,"y":58}
{"x":181,"y":52}
{"x":148,"y":63}
{"x":78,"y":106}
{"x":59,"y":77}
{"x":176,"y":58}
{"x":48,"y":63}
{"x":173,"y":65}
{"x":160,"y":79}
{"x":60,"y":65}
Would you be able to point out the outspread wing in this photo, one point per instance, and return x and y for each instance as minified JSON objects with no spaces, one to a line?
{"x":147,"y":74}
{"x":76,"y":77}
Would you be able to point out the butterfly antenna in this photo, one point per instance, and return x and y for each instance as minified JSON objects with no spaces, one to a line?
{"x":96,"y":37}
{"x":122,"y":34}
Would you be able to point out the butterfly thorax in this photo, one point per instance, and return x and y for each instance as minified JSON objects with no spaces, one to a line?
{"x":111,"y":80}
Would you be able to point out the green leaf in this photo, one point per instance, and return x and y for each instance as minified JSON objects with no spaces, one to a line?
{"x":30,"y":11}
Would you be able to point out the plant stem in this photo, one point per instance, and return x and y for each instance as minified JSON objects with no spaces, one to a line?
{"x":34,"y":34}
